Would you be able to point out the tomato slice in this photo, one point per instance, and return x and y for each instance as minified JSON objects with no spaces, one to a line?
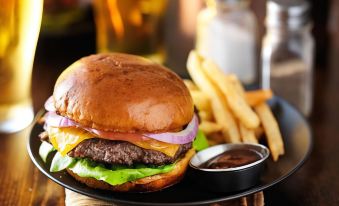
{"x":130,"y":137}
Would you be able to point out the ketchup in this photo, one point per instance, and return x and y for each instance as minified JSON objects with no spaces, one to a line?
{"x":232,"y":158}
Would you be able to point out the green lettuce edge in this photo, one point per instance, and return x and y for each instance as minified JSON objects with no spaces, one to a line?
{"x":200,"y":142}
{"x":60,"y":162}
{"x":87,"y":168}
{"x":44,"y":150}
{"x":115,"y":175}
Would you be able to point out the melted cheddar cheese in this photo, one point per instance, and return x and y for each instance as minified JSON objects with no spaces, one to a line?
{"x":66,"y":139}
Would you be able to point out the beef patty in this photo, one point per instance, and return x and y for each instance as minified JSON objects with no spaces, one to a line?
{"x":121,"y":152}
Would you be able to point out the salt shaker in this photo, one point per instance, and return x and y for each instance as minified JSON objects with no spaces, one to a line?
{"x":227,"y":35}
{"x":287,"y":52}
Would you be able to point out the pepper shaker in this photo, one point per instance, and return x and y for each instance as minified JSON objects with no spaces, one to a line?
{"x":287,"y":52}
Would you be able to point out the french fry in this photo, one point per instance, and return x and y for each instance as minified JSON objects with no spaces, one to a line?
{"x":224,"y":117}
{"x":216,"y":138}
{"x":258,"y":96}
{"x":219,"y":105}
{"x":237,"y":84}
{"x":203,"y":104}
{"x":190,"y":85}
{"x":201,"y":100}
{"x":270,"y":125}
{"x":247,"y":135}
{"x":236,"y":101}
{"x":208,"y":127}
{"x":205,"y":115}
{"x":254,"y":97}
{"x":259,"y":131}
{"x":211,"y":142}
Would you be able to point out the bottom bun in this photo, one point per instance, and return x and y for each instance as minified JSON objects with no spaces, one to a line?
{"x":147,"y":184}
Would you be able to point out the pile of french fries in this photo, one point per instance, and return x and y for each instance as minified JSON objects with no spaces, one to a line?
{"x":227,"y":112}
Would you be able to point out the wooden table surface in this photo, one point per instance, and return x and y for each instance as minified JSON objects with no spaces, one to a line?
{"x":316,"y":183}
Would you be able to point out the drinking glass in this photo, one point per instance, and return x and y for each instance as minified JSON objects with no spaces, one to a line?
{"x":130,"y":26}
{"x":19,"y":29}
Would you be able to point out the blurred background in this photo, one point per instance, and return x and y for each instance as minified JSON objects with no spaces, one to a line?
{"x":74,"y":19}
{"x":68,"y":32}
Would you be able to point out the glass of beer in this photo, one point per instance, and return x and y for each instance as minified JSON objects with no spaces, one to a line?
{"x":130,"y":26}
{"x":19,"y":30}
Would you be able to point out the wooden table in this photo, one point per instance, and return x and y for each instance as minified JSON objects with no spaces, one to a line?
{"x":316,"y":183}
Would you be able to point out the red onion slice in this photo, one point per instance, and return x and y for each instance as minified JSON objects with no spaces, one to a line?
{"x":54,"y":120}
{"x":49,"y":104}
{"x":185,"y":136}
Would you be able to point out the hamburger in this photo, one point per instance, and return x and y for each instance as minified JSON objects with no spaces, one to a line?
{"x":120,"y":122}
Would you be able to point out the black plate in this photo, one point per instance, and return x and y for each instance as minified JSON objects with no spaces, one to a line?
{"x":298,"y":143}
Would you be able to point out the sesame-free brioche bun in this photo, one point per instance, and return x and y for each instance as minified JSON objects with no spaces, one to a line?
{"x":123,"y":93}
{"x":146,"y":184}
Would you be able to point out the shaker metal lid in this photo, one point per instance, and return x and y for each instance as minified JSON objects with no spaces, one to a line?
{"x":291,"y":13}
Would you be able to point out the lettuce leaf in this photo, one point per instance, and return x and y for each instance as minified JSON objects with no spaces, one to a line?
{"x":45,"y":149}
{"x":200,"y":142}
{"x":116,"y":176}
{"x":60,"y":162}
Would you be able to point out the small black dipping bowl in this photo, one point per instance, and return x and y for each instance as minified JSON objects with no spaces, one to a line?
{"x":230,"y":179}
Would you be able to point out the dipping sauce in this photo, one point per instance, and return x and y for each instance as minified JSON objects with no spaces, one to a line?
{"x":232,"y":158}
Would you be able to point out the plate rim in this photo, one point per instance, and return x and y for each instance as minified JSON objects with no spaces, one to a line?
{"x":201,"y":202}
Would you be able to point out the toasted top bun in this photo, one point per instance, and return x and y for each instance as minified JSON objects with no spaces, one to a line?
{"x":123,"y":93}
